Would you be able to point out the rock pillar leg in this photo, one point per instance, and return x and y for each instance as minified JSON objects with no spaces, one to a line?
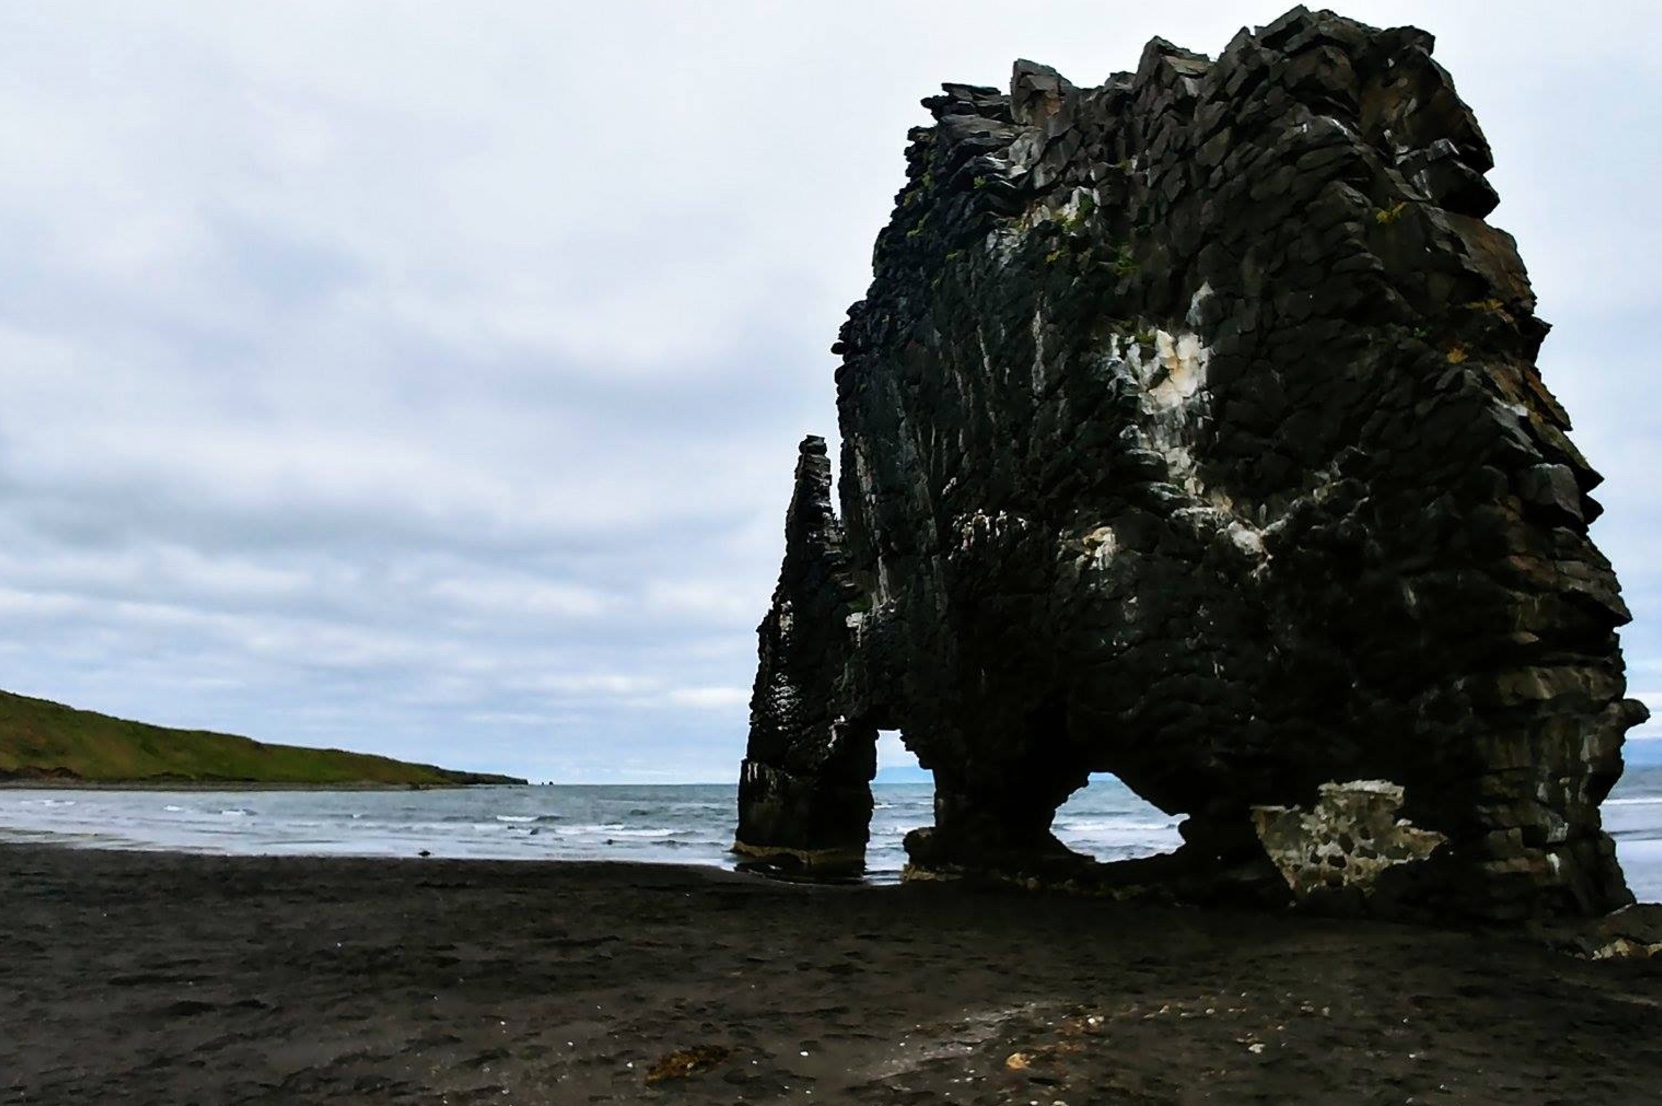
{"x":998,"y":822}
{"x":804,"y":790}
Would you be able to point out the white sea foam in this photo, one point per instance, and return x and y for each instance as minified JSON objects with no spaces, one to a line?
{"x":683,"y":824}
{"x":1113,"y":825}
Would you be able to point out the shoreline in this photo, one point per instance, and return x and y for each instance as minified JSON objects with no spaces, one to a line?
{"x":139,"y":977}
{"x":54,"y":841}
{"x":54,"y":784}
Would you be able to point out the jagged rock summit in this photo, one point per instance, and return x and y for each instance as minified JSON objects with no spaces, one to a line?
{"x":1192,"y":432}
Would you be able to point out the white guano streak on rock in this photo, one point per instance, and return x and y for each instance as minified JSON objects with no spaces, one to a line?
{"x":979,"y":528}
{"x":1175,"y":400}
{"x":1038,"y":330}
{"x":1100,"y":546}
{"x":783,"y":696}
{"x":1071,"y":212}
{"x":1175,"y":404}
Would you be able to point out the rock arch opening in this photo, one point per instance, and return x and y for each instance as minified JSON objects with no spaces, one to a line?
{"x":1108,"y":821}
{"x":903,"y":800}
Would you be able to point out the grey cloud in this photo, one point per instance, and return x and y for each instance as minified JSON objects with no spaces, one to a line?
{"x":427,"y":380}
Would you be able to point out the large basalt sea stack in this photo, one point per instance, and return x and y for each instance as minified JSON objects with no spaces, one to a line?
{"x":1192,"y":432}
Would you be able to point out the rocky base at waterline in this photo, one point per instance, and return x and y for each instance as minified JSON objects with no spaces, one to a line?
{"x":1192,"y":432}
{"x":145,"y":978}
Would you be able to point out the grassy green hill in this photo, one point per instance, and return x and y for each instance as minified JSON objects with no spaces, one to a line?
{"x":44,"y":740}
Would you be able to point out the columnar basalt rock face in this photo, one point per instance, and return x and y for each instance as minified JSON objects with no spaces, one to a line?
{"x":1192,"y":432}
{"x":804,"y":791}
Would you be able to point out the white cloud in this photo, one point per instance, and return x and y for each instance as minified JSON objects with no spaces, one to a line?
{"x":710,"y":698}
{"x":521,"y":594}
{"x":427,"y":379}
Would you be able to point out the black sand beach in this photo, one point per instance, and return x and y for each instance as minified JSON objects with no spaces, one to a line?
{"x":160,"y":978}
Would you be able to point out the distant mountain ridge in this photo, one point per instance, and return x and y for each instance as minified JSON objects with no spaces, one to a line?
{"x":47,"y":741}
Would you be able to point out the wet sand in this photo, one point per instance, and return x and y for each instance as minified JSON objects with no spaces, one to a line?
{"x":169,"y":979}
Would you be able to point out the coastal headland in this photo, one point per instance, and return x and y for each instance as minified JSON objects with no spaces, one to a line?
{"x":47,"y":744}
{"x":299,"y":980}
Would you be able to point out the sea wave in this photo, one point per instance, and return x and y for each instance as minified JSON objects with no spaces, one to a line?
{"x":684,"y":824}
{"x":1113,"y":825}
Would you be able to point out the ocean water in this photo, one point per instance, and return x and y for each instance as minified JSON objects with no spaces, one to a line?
{"x":685,"y":823}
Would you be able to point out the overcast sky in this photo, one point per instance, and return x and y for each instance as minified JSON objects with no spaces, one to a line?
{"x":425,"y":378}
